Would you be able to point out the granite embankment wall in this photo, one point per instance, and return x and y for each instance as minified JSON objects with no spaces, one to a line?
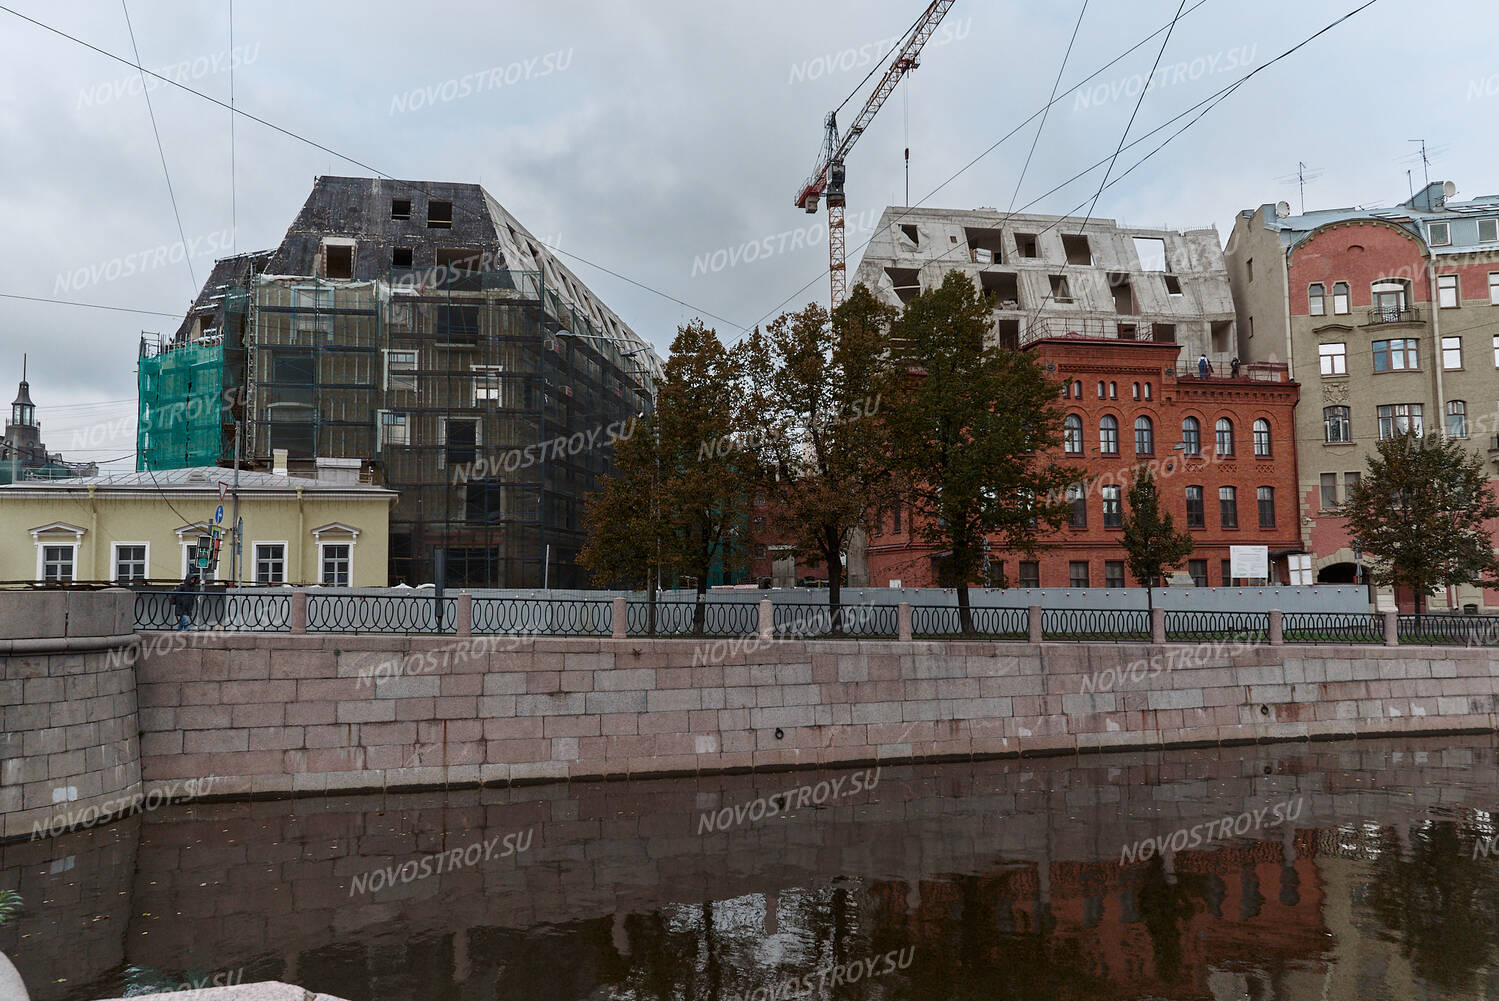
{"x":284,"y":713}
{"x":68,"y":722}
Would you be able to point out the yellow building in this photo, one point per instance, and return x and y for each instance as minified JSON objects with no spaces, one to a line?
{"x":144,"y":526}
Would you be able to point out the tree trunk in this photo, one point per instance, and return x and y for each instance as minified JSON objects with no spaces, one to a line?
{"x":700,"y":606}
{"x":830,"y":554}
{"x":965,"y":613}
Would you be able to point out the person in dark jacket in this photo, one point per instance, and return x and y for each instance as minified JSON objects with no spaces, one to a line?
{"x":1234,"y":366}
{"x":183,"y":599}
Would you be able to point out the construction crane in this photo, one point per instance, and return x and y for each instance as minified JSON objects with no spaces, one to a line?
{"x":827,"y":177}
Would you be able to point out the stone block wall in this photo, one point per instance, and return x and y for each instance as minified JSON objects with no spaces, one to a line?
{"x":68,"y":722}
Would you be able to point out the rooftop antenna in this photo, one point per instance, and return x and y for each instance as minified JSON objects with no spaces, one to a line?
{"x":1425,"y":161}
{"x":1409,"y":183}
{"x":1302,"y":175}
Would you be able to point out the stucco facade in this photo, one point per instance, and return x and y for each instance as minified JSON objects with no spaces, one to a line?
{"x":125,"y":527}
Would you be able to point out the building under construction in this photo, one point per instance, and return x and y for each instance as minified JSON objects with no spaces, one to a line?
{"x":416,"y":334}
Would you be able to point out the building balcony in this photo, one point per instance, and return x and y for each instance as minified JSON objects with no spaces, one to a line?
{"x":1379,"y":314}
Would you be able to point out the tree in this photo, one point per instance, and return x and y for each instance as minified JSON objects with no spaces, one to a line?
{"x":680,"y":497}
{"x":1152,"y":545}
{"x":811,"y":386}
{"x":1419,"y":512}
{"x":973,"y":429}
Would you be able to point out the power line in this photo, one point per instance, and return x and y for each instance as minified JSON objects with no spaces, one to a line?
{"x":88,"y":305}
{"x":342,"y":156}
{"x":146,"y":91}
{"x":1050,"y":101}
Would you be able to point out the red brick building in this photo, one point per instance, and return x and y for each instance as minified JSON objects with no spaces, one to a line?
{"x":1222,"y":450}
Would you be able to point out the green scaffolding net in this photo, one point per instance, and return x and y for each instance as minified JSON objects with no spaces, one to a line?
{"x":181,"y":389}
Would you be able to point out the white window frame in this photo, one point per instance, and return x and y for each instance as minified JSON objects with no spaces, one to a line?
{"x":1494,"y":223}
{"x":1316,"y":302}
{"x":1431,"y":234}
{"x":57,"y":533}
{"x":1443,"y":289}
{"x":1494,"y":288}
{"x":415,"y":362}
{"x":285,"y":545}
{"x":1462,"y":413}
{"x":489,"y":385}
{"x":114,"y":561}
{"x":1339,"y":359}
{"x":380,"y":439}
{"x":442,"y":434}
{"x":1456,"y":345}
{"x":1345,"y":296}
{"x":42,"y":545}
{"x":322,"y":547}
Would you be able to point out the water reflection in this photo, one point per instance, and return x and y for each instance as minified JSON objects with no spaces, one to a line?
{"x":1003,"y":879}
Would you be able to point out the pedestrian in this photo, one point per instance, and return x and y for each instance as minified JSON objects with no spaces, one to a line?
{"x":1203,"y":367}
{"x":183,"y":599}
{"x":1234,"y":366}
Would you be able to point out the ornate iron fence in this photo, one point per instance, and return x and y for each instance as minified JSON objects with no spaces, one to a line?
{"x":1449,"y":630}
{"x":802,"y":620}
{"x":1332,"y":627}
{"x":675,"y":618}
{"x":1195,"y":626}
{"x":379,"y":613}
{"x":542,"y":616}
{"x":990,"y":623}
{"x":227,"y":611}
{"x":1115,"y":625}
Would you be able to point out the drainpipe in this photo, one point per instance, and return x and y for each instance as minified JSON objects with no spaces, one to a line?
{"x":93,"y":528}
{"x":301,"y":522}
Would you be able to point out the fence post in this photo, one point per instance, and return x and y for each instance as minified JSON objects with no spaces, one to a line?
{"x":299,"y":611}
{"x":767,"y":619}
{"x":1158,"y":625}
{"x":1276,"y":633}
{"x":465,"y":624}
{"x":1033,"y":621}
{"x":1392,"y":628}
{"x":617,"y":620}
{"x":903,"y":621}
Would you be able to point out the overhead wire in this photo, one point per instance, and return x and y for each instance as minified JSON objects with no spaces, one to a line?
{"x":1050,"y":101}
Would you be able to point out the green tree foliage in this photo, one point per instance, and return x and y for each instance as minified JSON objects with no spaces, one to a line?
{"x":1152,"y":545}
{"x":1419,"y":512}
{"x":812,"y":384}
{"x":973,"y":428}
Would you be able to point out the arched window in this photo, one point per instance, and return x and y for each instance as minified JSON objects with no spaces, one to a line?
{"x":1077,"y":389}
{"x":1113,"y":390}
{"x":1340,"y":298}
{"x":1108,"y":435}
{"x":1316,"y":299}
{"x":1191,"y":436}
{"x":1101,"y":393}
{"x":1261,"y":437}
{"x":1144,"y":436}
{"x":1225,"y":431}
{"x":1072,"y":434}
{"x":1135,"y":390}
{"x":1147,"y":390}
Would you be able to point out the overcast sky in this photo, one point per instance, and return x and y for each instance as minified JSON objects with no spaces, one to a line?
{"x":665,"y":140}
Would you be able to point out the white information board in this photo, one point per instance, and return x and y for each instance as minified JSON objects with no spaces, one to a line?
{"x":1249,"y":562}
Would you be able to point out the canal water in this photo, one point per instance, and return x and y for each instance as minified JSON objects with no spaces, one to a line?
{"x":1351,"y":870}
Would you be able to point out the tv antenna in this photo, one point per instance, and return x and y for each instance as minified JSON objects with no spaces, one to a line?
{"x":1425,"y":155}
{"x":1302,"y":175}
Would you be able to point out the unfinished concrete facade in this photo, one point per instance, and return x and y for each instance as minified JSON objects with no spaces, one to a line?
{"x":1050,"y":276}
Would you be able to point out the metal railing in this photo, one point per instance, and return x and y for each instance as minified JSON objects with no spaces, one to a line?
{"x":226,"y":611}
{"x":1447,"y":629}
{"x":1332,"y":627}
{"x":928,"y":621}
{"x":1113,"y":625}
{"x":1199,"y":626}
{"x":805,"y":620}
{"x":1410,"y":314}
{"x":379,"y":613}
{"x":676,"y":618}
{"x":541,"y":617}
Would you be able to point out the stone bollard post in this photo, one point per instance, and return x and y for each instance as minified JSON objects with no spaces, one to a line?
{"x":617,"y":620}
{"x":1158,"y":626}
{"x":1392,"y":628}
{"x":1033,"y":617}
{"x":464,"y":626}
{"x":1276,"y":633}
{"x":299,"y":611}
{"x":767,"y":620}
{"x":903,"y":621}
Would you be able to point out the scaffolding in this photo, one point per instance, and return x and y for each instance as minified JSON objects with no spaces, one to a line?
{"x":180,"y":386}
{"x":469,"y":392}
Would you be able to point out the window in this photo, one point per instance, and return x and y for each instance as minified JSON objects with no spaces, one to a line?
{"x":335,"y":559}
{"x":129,"y":561}
{"x":1457,"y":419}
{"x":1135,"y":390}
{"x":1249,"y":268}
{"x":1147,"y":390}
{"x":1113,"y":390}
{"x":1399,"y":418}
{"x":270,"y":562}
{"x":488,"y":385}
{"x":1113,"y":513}
{"x":1144,"y":436}
{"x":1102,"y":390}
{"x":1025,"y":244}
{"x":57,"y":562}
{"x":1228,"y":507}
{"x":1151,"y":251}
{"x":400,"y":208}
{"x":1340,"y":303}
{"x":1350,"y":480}
{"x":1195,"y":515}
{"x":1262,"y":438}
{"x":439,"y":215}
{"x":1225,"y":436}
{"x":1333,"y":358}
{"x":1329,"y":491}
{"x":1452,"y":352}
{"x":400,"y":370}
{"x":910,"y":233}
{"x":1395,"y":355}
{"x":395,"y":428}
{"x":400,"y":257}
{"x":1226,"y":569}
{"x":1440,"y":234}
{"x":338,"y":260}
{"x":1113,"y":573}
{"x":457,"y":324}
{"x":1336,"y":427}
{"x":1108,"y":435}
{"x":1077,"y":502}
{"x":1316,"y":299}
{"x":1447,"y":291}
{"x":1077,"y":573}
{"x":1390,"y":300}
{"x":1265,"y":497}
{"x":1198,"y":571}
{"x":1077,"y":389}
{"x":1496,"y":350}
{"x":1191,"y":436}
{"x":1173,"y":285}
{"x":1060,"y":290}
{"x":1030,"y":573}
{"x":1488,"y":230}
{"x":292,"y":367}
{"x":1077,"y":249}
{"x":1072,"y":434}
{"x":1494,"y":288}
{"x":461,"y":438}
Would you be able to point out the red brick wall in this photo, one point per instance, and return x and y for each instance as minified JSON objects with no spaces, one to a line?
{"x":1332,"y":255}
